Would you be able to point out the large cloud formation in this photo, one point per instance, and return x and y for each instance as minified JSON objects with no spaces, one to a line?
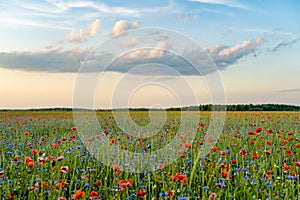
{"x":59,"y":60}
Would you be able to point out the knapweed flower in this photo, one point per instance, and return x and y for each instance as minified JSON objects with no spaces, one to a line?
{"x":1,"y":174}
{"x":78,"y":194}
{"x":221,"y":185}
{"x":64,"y":169}
{"x":212,"y":196}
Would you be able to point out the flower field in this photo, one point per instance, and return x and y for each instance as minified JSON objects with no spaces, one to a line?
{"x":256,"y":157}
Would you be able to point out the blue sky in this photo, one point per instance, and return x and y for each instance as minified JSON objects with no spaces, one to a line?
{"x":255,"y":45}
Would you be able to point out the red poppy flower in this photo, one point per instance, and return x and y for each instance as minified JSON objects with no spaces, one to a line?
{"x":288,"y":153}
{"x":41,"y":160}
{"x":251,"y":133}
{"x":27,"y":159}
{"x":78,"y":194}
{"x":179,"y":177}
{"x":112,"y":141}
{"x":31,"y":163}
{"x":60,"y":184}
{"x":94,"y":195}
{"x":15,"y":159}
{"x":125,"y":183}
{"x":225,"y":174}
{"x":268,"y":142}
{"x":214,"y":149}
{"x":255,"y":155}
{"x":60,"y":158}
{"x":34,"y":151}
{"x":97,"y":182}
{"x":64,"y":169}
{"x":285,"y":167}
{"x":270,"y":131}
{"x":267,"y":152}
{"x":141,"y":193}
{"x":297,"y":163}
{"x":243,"y":152}
{"x":258,"y":130}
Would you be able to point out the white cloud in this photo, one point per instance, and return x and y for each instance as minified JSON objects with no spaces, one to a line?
{"x":229,"y":3}
{"x":246,"y":44}
{"x":122,"y":26}
{"x":131,"y":43}
{"x":86,"y":33}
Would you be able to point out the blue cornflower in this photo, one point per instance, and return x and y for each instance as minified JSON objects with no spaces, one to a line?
{"x":206,"y":187}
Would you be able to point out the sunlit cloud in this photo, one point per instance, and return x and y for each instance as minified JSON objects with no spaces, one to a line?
{"x":80,"y":35}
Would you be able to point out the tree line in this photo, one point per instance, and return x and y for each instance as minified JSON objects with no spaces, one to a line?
{"x":204,"y":107}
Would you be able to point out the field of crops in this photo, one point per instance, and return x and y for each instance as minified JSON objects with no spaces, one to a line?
{"x":257,"y":156}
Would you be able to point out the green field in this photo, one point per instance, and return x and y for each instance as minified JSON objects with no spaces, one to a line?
{"x":257,"y":156}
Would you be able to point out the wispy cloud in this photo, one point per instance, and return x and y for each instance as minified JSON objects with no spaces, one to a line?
{"x":290,"y":90}
{"x":228,"y":3}
{"x":184,"y":17}
{"x":284,"y":43}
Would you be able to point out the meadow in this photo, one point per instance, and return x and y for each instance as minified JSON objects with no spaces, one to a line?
{"x":257,"y":156}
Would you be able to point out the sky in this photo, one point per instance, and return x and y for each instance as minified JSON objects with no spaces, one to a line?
{"x":157,"y":53}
